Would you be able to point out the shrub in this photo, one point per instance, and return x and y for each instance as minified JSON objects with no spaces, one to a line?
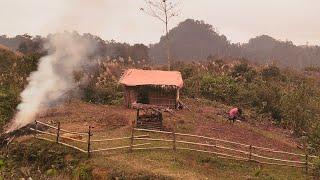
{"x":270,"y":72}
{"x":13,"y":77}
{"x":8,"y":103}
{"x":192,"y":87}
{"x":263,"y":96}
{"x":244,"y":71}
{"x":312,"y":69}
{"x":83,"y":172}
{"x":314,"y":139}
{"x":222,"y":88}
{"x":2,"y":164}
{"x":240,"y":69}
{"x":109,"y":93}
{"x":316,"y":170}
{"x":51,"y":172}
{"x":297,"y":109}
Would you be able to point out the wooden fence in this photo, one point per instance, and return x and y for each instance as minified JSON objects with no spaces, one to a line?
{"x":180,"y":141}
{"x":237,"y":151}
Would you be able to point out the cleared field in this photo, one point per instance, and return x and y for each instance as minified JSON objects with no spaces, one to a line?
{"x":115,"y":121}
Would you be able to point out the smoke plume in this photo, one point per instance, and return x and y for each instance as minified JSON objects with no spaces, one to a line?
{"x":67,"y":52}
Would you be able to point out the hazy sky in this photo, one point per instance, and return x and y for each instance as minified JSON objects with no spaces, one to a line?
{"x":239,"y":20}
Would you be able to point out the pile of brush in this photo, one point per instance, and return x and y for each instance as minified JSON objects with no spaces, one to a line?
{"x":7,"y":138}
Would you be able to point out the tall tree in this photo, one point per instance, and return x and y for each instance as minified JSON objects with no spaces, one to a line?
{"x":163,"y":10}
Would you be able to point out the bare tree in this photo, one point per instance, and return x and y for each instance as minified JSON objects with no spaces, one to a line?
{"x":163,"y":10}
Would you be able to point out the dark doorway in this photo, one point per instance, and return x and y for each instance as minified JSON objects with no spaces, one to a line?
{"x":143,"y":97}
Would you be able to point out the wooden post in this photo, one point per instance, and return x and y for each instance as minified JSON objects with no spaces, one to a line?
{"x":58,"y":133}
{"x":305,"y":147}
{"x":307,"y":158}
{"x":36,"y":129}
{"x":89,"y":142}
{"x":132,"y":134}
{"x":250,"y":153}
{"x":174,"y":136}
{"x":137,"y":119}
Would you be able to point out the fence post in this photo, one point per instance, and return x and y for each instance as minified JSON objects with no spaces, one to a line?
{"x":250,"y":153}
{"x":36,"y":129}
{"x":305,"y":147}
{"x":174,"y":136}
{"x":58,"y":132}
{"x":89,"y":142}
{"x":307,"y":163}
{"x":132,"y":134}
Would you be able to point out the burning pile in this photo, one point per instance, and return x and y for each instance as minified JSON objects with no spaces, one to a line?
{"x":67,"y":53}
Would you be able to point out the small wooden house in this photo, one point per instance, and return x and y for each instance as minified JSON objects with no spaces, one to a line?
{"x":152,"y":87}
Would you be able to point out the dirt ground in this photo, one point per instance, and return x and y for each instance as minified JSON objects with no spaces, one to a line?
{"x":206,"y":120}
{"x":78,"y":115}
{"x":202,"y":119}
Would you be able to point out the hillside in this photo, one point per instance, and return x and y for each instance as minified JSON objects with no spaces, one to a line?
{"x":281,"y":108}
{"x":194,"y":40}
{"x":4,"y":49}
{"x":102,"y":48}
{"x":114,"y":121}
{"x":191,"y":40}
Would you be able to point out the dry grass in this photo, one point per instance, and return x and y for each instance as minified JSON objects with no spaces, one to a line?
{"x":114,"y":121}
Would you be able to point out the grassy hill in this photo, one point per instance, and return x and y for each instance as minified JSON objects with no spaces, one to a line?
{"x":281,"y":106}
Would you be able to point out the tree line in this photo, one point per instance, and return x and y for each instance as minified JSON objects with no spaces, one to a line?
{"x":190,"y":41}
{"x":194,"y":40}
{"x":27,"y":44}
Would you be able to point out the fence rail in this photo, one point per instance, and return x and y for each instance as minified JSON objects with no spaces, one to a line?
{"x":237,"y":151}
{"x":246,"y":155}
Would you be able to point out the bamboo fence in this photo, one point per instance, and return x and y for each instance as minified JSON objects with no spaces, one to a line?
{"x":251,"y":154}
{"x":221,"y":148}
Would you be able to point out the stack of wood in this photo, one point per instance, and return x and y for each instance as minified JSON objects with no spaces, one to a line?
{"x":150,"y":116}
{"x":156,"y":108}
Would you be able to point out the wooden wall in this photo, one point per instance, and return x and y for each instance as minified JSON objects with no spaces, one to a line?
{"x":156,"y":95}
{"x":130,"y":95}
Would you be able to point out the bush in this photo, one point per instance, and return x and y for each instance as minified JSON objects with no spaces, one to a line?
{"x":2,"y":164}
{"x":244,"y":72}
{"x":13,"y":77}
{"x":270,"y":72}
{"x":8,"y":103}
{"x":109,"y":93}
{"x":240,"y":69}
{"x":222,"y":88}
{"x":192,"y":87}
{"x":316,"y":170}
{"x":314,"y":139}
{"x":83,"y":172}
{"x":297,"y":109}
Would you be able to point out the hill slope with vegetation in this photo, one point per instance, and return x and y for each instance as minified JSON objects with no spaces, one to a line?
{"x":191,"y":40}
{"x":281,"y":106}
{"x":194,"y":40}
{"x":28,"y":157}
{"x":289,"y":98}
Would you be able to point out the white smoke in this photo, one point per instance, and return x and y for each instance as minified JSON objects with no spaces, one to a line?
{"x":67,"y":52}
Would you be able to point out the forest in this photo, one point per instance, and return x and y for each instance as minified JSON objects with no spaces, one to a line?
{"x":192,"y":40}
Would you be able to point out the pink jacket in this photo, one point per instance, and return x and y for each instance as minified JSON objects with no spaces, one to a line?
{"x":233,"y":112}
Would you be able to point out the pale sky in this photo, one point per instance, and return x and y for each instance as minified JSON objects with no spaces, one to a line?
{"x":121,"y":20}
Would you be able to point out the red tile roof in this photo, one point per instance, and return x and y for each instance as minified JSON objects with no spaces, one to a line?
{"x":136,"y":77}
